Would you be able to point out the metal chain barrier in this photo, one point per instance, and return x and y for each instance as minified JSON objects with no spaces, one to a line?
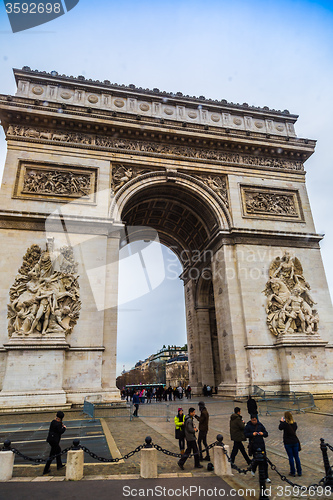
{"x":284,"y":478}
{"x":111,"y":460}
{"x":7,"y":447}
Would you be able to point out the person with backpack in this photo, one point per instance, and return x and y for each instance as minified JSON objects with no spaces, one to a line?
{"x":191,"y":441}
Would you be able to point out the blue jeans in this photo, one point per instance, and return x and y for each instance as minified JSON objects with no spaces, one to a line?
{"x":292,"y":452}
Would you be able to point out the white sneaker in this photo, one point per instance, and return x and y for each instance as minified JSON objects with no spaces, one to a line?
{"x":253,"y":473}
{"x":268,"y":480}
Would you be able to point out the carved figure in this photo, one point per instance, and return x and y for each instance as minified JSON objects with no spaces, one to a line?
{"x":122,"y":174}
{"x":218,"y":185}
{"x":289,"y":304}
{"x":44,"y":301}
{"x":56,"y":182}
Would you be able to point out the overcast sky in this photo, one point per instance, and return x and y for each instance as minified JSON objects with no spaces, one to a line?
{"x":266,"y":53}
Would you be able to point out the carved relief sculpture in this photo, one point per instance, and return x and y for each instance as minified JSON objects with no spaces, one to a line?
{"x":44,"y":299}
{"x":56,"y":182}
{"x":218,"y":184}
{"x":122,"y":174}
{"x":154,"y":147}
{"x":271,"y":203}
{"x":289,"y":305}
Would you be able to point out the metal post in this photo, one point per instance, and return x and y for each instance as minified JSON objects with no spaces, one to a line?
{"x":259,"y":458}
{"x":167,"y":412}
{"x":328,"y":470}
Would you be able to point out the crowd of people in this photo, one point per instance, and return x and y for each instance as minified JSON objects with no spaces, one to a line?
{"x":254,"y":431}
{"x":160,"y":393}
{"x":185,"y":432}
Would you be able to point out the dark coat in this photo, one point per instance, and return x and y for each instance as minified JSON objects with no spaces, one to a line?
{"x":55,"y":431}
{"x":252,"y":407}
{"x":237,"y":427}
{"x":289,"y":432}
{"x":203,"y":420}
{"x":136,"y":399}
{"x":258,"y":441}
{"x":189,"y":428}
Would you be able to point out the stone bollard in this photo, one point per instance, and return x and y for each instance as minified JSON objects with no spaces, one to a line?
{"x":222,"y":466}
{"x":75,"y":461}
{"x":6,"y":465}
{"x":148,"y":463}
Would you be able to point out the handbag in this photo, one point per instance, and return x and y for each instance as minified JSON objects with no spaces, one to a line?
{"x":179,"y":433}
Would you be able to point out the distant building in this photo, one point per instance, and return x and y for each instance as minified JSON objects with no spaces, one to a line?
{"x":176,"y":371}
{"x":152,"y":370}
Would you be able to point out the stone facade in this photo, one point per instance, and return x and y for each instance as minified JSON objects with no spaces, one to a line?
{"x":223,"y":185}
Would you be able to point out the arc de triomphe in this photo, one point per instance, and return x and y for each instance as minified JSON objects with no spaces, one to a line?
{"x":91,"y":165}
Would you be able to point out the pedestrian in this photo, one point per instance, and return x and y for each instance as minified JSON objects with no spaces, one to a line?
{"x":209,"y":390}
{"x":237,"y":426}
{"x":252,"y":406}
{"x":291,"y":442}
{"x":256,"y":433}
{"x":180,"y":391}
{"x":191,"y":441}
{"x":203,"y":430}
{"x":189,"y":392}
{"x":204,"y":390}
{"x":136,"y":402}
{"x":57,"y":428}
{"x":179,"y":431}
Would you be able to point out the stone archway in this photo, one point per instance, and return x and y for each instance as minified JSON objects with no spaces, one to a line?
{"x":186,"y":215}
{"x":223,"y":184}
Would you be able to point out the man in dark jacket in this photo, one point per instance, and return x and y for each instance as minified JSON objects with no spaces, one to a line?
{"x":203,"y":429}
{"x":237,"y":426}
{"x":57,"y":428}
{"x":190,"y":431}
{"x":256,"y":433}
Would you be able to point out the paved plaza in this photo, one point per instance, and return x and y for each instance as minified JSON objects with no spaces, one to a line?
{"x":123,"y":435}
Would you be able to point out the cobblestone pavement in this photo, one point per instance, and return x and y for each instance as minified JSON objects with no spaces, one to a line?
{"x":129,"y":434}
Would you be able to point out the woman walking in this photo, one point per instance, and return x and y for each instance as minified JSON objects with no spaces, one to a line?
{"x":180,"y":432}
{"x":291,"y":442}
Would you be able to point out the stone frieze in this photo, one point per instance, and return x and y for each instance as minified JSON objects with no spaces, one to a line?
{"x":281,"y":204}
{"x":156,"y":148}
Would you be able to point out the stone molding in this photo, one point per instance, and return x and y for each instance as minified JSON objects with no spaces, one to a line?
{"x":18,"y":132}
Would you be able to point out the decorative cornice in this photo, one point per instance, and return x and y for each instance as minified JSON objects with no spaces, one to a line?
{"x":54,"y":78}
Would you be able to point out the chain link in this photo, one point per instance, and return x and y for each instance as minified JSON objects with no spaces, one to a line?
{"x":39,"y":460}
{"x":111,"y":460}
{"x":234,"y":466}
{"x":286,"y":480}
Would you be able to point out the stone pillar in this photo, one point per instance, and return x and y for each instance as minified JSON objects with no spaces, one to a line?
{"x":205,"y":344}
{"x":148,"y":464}
{"x":110,"y":318}
{"x":6,"y":465}
{"x":222,"y":466}
{"x":230,"y":323}
{"x":193,"y":344}
{"x":74,"y":467}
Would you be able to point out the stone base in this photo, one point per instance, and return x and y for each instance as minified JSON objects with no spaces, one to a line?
{"x":38,"y":399}
{"x":94,"y":396}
